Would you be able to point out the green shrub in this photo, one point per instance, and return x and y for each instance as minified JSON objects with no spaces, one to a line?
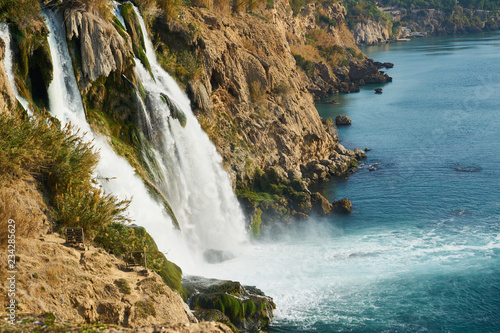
{"x":297,"y":6}
{"x":65,"y":165}
{"x":119,"y":239}
{"x":306,"y":65}
{"x":330,"y":21}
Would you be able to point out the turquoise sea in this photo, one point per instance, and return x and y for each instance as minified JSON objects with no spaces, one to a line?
{"x":421,"y":250}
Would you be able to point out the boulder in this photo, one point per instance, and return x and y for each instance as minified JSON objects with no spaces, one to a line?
{"x":359,"y":154}
{"x":294,"y":174}
{"x":247,"y":308}
{"x":378,"y":90}
{"x":343,"y":206}
{"x":320,"y":204}
{"x":342,"y":120}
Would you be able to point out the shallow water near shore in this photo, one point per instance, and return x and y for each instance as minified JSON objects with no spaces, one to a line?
{"x":421,"y":250}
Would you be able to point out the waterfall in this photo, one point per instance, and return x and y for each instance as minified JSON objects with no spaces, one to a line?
{"x":5,"y":35}
{"x":185,"y":163}
{"x":113,"y":172}
{"x":189,"y":172}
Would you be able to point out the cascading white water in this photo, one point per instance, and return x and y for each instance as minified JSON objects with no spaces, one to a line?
{"x":5,"y":35}
{"x":188,"y":168}
{"x":190,"y":173}
{"x":114,"y":173}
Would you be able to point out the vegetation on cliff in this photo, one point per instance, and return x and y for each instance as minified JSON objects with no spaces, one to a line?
{"x":433,"y":17}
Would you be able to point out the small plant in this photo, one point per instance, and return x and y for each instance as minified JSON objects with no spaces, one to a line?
{"x":35,"y":275}
{"x":281,"y":88}
{"x":145,"y":308}
{"x":124,"y":286}
{"x":330,"y":21}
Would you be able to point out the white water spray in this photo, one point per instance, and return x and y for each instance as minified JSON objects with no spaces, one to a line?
{"x":5,"y":35}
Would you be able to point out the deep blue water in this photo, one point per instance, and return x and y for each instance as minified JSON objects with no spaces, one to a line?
{"x":435,"y":130}
{"x":421,"y":250}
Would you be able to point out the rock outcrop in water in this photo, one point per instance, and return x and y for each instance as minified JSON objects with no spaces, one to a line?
{"x":229,"y":302}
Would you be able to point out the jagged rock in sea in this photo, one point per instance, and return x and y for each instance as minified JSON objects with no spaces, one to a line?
{"x":342,"y":120}
{"x":343,"y":206}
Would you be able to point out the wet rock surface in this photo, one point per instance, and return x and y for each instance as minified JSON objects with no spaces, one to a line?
{"x":246,"y":308}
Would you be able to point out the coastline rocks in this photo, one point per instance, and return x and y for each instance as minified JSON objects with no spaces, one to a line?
{"x":383,"y":64}
{"x":245,"y":308}
{"x":343,"y":206}
{"x":320,"y":204}
{"x":378,"y":91}
{"x":342,"y":120}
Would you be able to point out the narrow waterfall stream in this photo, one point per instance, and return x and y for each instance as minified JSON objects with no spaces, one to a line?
{"x":5,"y":35}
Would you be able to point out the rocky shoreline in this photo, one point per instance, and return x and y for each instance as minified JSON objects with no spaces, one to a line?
{"x":417,"y":23}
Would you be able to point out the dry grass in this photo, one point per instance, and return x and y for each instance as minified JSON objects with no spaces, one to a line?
{"x":222,"y":6}
{"x":308,"y":52}
{"x":320,"y":37}
{"x":203,"y":3}
{"x":248,"y":45}
{"x":102,"y":7}
{"x":64,"y":163}
{"x":23,"y":203}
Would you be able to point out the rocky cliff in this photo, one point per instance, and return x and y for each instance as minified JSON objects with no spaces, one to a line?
{"x":424,"y":22}
{"x":436,"y":22}
{"x":370,"y":32}
{"x":254,"y":93}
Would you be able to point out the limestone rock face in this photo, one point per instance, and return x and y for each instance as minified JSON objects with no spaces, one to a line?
{"x":7,"y":97}
{"x":370,"y":33}
{"x":254,"y":94}
{"x":103,"y":49}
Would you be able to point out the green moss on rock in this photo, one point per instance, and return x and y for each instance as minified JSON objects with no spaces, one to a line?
{"x":135,"y":32}
{"x":33,"y":63}
{"x":119,"y":239}
{"x":247,"y":308}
